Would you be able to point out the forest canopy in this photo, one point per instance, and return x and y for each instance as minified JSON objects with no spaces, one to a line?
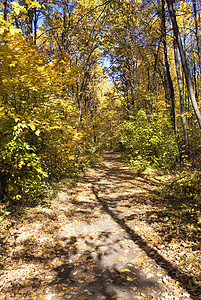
{"x":80,"y":77}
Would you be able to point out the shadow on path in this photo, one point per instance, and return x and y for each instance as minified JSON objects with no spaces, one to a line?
{"x":116,"y":175}
{"x":83,"y":248}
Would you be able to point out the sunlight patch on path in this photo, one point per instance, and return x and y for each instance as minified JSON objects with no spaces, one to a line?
{"x":88,"y":245}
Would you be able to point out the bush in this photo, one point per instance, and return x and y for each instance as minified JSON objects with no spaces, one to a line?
{"x":145,"y":142}
{"x":21,"y":167}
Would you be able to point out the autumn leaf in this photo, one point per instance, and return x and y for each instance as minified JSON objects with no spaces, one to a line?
{"x":26,"y":283}
{"x":32,"y":126}
{"x":159,"y":281}
{"x":127,"y":270}
{"x":154,"y":240}
{"x":139,"y":260}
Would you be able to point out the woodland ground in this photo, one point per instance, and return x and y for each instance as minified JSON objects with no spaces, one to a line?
{"x":111,"y":236}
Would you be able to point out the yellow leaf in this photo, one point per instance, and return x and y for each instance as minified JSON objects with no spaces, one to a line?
{"x":61,"y":294}
{"x":154,"y":240}
{"x":12,"y":30}
{"x":130,"y":278}
{"x":32,"y":4}
{"x":16,"y":7}
{"x":32,"y":126}
{"x":37,"y":132}
{"x":17,"y":30}
{"x":26,"y":283}
{"x":12,"y":64}
{"x":148,"y":235}
{"x":127,"y":270}
{"x":1,"y":30}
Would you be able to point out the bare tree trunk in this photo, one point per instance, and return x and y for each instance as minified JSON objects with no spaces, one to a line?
{"x":169,"y":81}
{"x":184,"y":61}
{"x":182,"y":99}
{"x":197,"y":34}
{"x":35,"y":25}
{"x":5,"y":3}
{"x":30,"y":24}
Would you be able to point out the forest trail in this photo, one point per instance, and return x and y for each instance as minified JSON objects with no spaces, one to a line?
{"x":93,"y":242}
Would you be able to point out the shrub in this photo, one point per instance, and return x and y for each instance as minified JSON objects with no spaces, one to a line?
{"x":145,"y":142}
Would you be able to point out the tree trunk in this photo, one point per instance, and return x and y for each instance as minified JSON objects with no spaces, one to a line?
{"x":5,"y":3}
{"x":197,"y":35}
{"x":182,"y":100}
{"x":35,"y":25}
{"x":169,"y":81}
{"x":2,"y":186}
{"x":184,"y":61}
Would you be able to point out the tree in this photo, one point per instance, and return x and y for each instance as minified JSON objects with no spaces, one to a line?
{"x":171,"y":94}
{"x":182,"y":99}
{"x":184,"y":60}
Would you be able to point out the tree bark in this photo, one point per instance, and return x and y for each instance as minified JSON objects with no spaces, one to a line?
{"x":197,"y":34}
{"x":182,"y":100}
{"x":2,"y":186}
{"x":5,"y":3}
{"x":184,"y":61}
{"x":35,"y":25}
{"x":169,"y":80}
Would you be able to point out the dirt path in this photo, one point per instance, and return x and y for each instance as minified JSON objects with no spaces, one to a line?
{"x":92,"y":243}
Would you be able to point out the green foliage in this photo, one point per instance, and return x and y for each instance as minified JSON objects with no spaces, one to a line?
{"x":145,"y":142}
{"x":21,"y":166}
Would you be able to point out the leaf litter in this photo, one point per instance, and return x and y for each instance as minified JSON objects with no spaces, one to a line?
{"x":98,"y":240}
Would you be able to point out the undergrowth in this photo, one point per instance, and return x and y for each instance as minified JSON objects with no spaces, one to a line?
{"x":181,"y":199}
